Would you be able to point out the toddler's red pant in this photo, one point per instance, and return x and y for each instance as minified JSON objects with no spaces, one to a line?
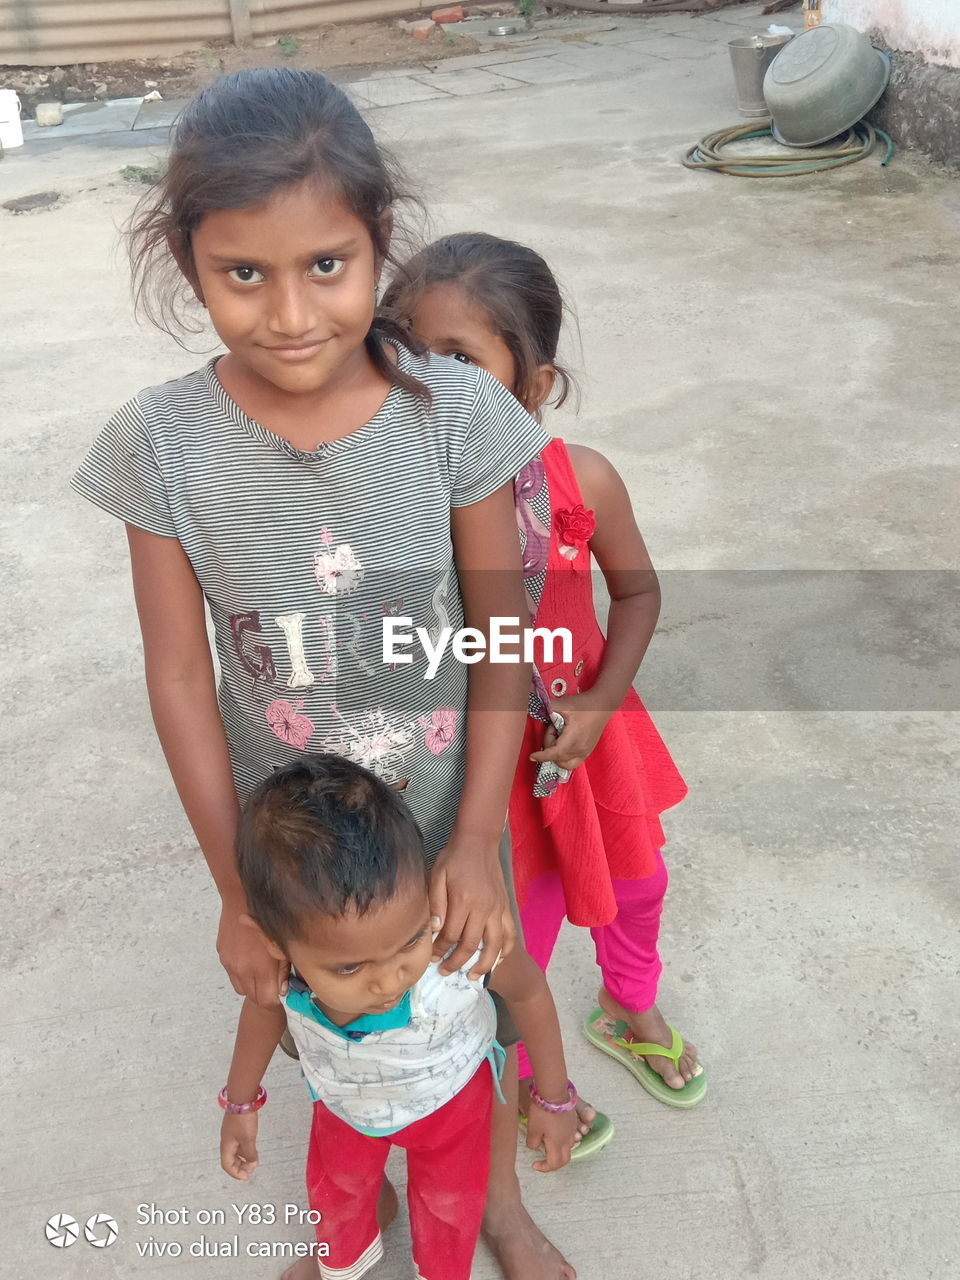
{"x":448,"y":1160}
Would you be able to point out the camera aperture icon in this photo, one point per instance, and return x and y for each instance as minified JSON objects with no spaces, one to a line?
{"x":100,"y":1230}
{"x":62,"y":1230}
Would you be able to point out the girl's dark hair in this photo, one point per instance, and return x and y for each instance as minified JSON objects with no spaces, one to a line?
{"x":239,"y":141}
{"x":323,"y":835}
{"x":510,"y":282}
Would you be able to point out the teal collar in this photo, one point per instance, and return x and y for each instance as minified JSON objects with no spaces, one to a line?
{"x":300,"y":998}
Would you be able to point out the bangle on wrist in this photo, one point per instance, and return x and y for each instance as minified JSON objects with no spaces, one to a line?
{"x":555,"y":1108}
{"x":242,"y":1108}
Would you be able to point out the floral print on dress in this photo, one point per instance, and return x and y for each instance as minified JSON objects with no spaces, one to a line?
{"x":288,"y":724}
{"x":535,"y":536}
{"x":381,"y":743}
{"x":337,"y":569}
{"x":440,"y":729}
{"x":575,"y":527}
{"x":375,"y":741}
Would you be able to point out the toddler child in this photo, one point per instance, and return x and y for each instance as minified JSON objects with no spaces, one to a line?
{"x":394,"y":1053}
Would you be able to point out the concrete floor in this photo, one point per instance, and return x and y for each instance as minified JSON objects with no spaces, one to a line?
{"x":773,"y":366}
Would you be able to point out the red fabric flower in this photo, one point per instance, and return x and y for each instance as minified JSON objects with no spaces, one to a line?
{"x":575,"y":525}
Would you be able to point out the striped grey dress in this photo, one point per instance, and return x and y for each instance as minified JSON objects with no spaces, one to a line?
{"x":302,"y":554}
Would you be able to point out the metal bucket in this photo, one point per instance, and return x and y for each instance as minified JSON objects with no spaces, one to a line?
{"x":750,"y":56}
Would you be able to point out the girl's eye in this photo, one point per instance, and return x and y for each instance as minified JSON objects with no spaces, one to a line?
{"x":345,"y":971}
{"x":459,"y":355}
{"x":245,"y":275}
{"x":414,"y":942}
{"x":328,"y":266}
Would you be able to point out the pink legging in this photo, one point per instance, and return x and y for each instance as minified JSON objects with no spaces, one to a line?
{"x":626,"y":948}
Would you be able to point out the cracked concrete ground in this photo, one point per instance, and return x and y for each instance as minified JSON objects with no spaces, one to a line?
{"x":772,"y":365}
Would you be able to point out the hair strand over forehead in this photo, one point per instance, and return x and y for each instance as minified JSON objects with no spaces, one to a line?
{"x":509,"y":282}
{"x":238,"y":142}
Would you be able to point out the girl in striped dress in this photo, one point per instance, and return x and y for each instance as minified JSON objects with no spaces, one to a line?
{"x":594,"y":775}
{"x":322,"y":480}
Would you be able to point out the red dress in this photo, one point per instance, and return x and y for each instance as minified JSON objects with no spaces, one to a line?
{"x":604,"y":823}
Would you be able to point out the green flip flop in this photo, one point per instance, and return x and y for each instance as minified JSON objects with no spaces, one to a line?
{"x":610,"y":1036}
{"x":601,"y":1133}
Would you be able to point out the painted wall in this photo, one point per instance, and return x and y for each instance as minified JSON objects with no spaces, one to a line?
{"x":930,"y":28}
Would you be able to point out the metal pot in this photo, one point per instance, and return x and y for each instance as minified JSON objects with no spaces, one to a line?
{"x":823,"y":82}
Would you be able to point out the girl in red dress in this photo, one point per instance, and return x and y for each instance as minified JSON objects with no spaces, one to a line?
{"x":594,"y":775}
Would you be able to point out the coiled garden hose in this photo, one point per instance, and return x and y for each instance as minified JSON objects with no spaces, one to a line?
{"x":855,"y":145}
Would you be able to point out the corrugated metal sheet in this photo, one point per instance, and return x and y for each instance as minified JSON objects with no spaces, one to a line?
{"x":45,"y":33}
{"x":271,"y":17}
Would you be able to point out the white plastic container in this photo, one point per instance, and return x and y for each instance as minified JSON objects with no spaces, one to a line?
{"x":11,"y":133}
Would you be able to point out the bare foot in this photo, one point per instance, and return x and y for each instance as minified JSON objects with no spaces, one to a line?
{"x":387,"y":1205}
{"x":651,"y":1028}
{"x":521,"y":1248}
{"x":585,"y":1112}
{"x":305,"y":1269}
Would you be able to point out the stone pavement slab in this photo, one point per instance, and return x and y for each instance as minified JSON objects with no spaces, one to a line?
{"x":543,"y":46}
{"x":670,"y":22}
{"x":752,"y":15}
{"x":468,"y":81}
{"x":345,"y":75}
{"x":114,"y":116}
{"x":540,"y":71}
{"x":468,"y":60}
{"x":625,"y":31}
{"x":153,"y":115}
{"x":604,"y":61}
{"x":675,"y":48}
{"x":390,"y":93}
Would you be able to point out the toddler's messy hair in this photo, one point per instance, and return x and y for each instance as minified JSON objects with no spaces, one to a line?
{"x":323,"y":836}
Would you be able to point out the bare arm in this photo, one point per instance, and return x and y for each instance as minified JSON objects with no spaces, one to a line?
{"x":631,"y":580}
{"x":258,"y":1034}
{"x":621,"y":554}
{"x":183,"y":699}
{"x":522,"y":984}
{"x":467,"y":890}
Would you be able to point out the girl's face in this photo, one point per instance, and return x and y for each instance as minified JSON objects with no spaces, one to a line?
{"x":289,"y":285}
{"x":357,"y":964}
{"x":447,"y":321}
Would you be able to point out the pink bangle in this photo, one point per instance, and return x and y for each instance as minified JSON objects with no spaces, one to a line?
{"x":242,"y":1108}
{"x":555,"y":1108}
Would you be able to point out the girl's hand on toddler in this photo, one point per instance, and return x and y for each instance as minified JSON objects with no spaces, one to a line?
{"x":252,"y":970}
{"x":238,"y":1145}
{"x":468,"y":897}
{"x":584,"y":722}
{"x":557,"y":1134}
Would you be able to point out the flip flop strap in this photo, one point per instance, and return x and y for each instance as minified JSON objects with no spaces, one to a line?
{"x":646,"y":1050}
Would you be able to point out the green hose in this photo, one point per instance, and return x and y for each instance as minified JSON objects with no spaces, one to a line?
{"x":855,"y":145}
